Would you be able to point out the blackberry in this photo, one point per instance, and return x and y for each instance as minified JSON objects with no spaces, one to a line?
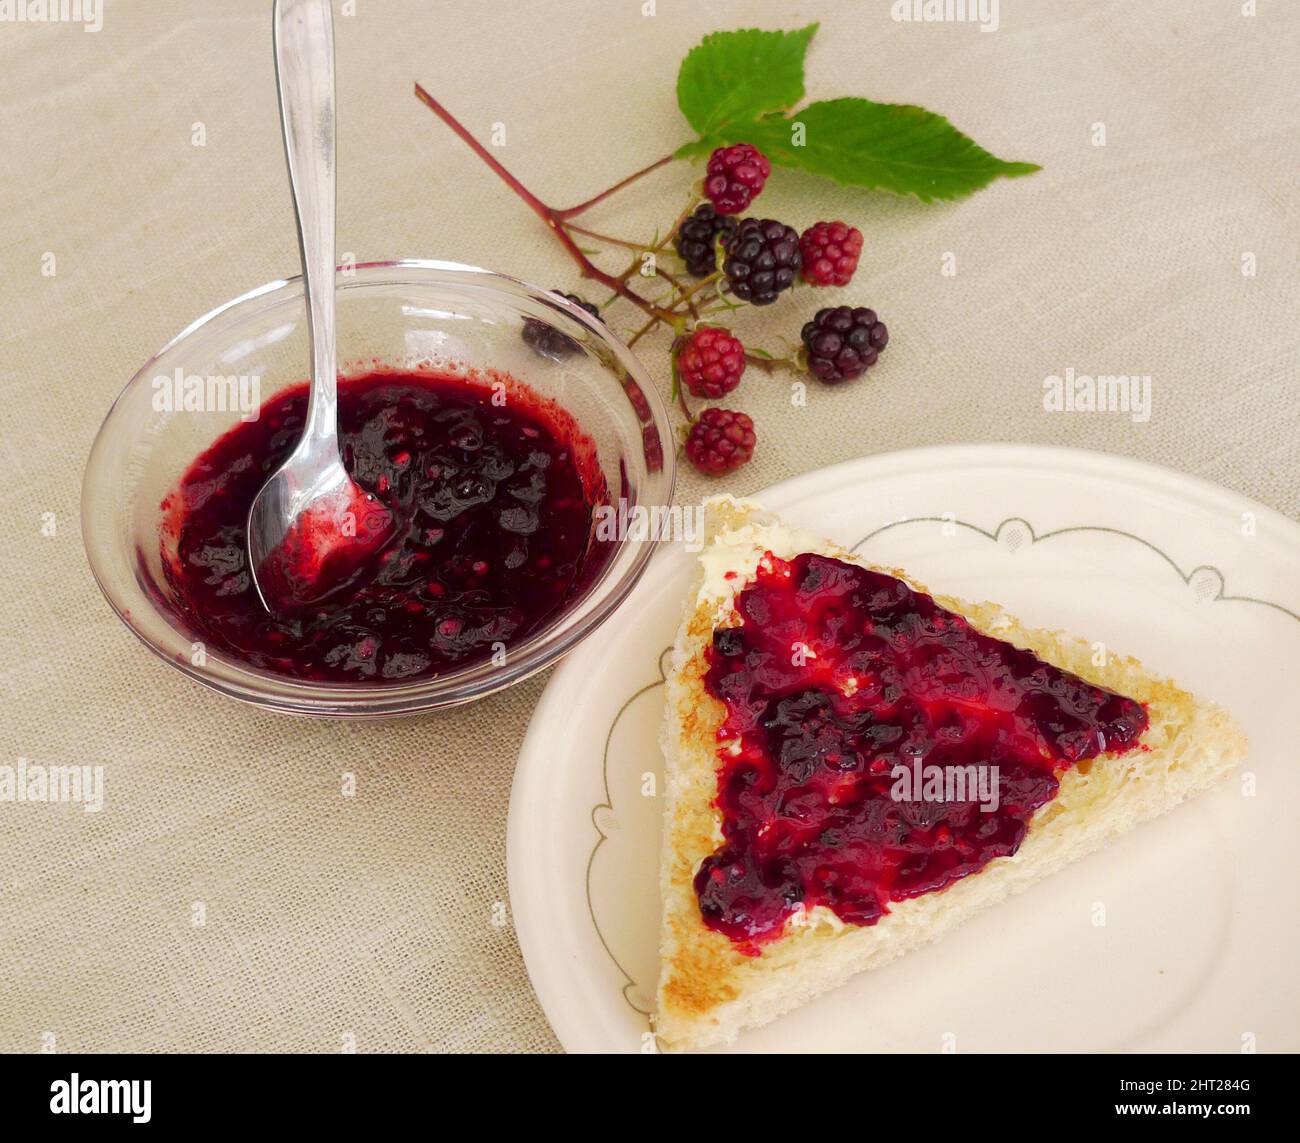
{"x":710,"y":363}
{"x":548,"y":341}
{"x":729,"y":642}
{"x":697,"y":236}
{"x":720,"y":440}
{"x":843,"y":343}
{"x":762,"y":260}
{"x":735,"y":177}
{"x":830,"y":253}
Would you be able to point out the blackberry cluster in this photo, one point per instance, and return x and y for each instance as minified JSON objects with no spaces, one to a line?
{"x":545,"y":339}
{"x":843,"y":343}
{"x":762,"y":260}
{"x":697,"y":237}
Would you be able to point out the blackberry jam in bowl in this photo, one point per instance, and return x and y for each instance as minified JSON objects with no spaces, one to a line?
{"x":495,"y":421}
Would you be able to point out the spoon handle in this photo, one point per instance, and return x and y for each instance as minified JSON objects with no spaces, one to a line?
{"x":304,"y":71}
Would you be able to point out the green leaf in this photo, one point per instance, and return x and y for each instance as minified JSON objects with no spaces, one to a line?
{"x":883,"y":146}
{"x":734,"y":77}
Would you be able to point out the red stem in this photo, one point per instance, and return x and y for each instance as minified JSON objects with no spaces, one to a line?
{"x":772,"y":364}
{"x":573,"y":211}
{"x":547,"y":214}
{"x":685,"y":408}
{"x":607,"y":238}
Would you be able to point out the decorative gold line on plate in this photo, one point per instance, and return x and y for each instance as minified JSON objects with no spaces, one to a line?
{"x":607,"y":804}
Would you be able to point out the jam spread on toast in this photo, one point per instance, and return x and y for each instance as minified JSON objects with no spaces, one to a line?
{"x":876,"y":747}
{"x":494,"y":502}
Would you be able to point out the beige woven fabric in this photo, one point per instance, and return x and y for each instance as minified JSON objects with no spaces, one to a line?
{"x":372,"y":916}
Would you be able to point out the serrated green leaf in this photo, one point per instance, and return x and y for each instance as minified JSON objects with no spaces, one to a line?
{"x":883,"y":146}
{"x":733,"y":77}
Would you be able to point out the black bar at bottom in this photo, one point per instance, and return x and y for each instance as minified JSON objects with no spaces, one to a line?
{"x":337,"y":1092}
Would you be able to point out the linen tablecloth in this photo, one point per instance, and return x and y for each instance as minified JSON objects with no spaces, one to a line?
{"x":143,"y":183}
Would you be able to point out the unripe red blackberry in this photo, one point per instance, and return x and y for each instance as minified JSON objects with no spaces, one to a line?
{"x":711,"y":362}
{"x":720,"y":440}
{"x":735,"y":177}
{"x":830,"y":253}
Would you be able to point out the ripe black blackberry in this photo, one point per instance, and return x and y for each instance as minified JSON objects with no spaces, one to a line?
{"x":762,"y":260}
{"x":729,"y":642}
{"x":546,"y":339}
{"x":696,"y":238}
{"x":843,"y":343}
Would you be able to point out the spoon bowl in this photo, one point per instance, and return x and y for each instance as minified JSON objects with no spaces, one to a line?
{"x":313,"y":532}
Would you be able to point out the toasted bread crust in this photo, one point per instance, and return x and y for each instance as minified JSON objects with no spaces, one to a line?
{"x":708,"y":990}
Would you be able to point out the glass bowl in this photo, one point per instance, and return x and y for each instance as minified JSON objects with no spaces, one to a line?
{"x":410,"y":315}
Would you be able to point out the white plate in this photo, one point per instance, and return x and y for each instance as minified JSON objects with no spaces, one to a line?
{"x":1200,"y":908}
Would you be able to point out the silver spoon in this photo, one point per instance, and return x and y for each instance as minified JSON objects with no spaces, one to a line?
{"x":311,"y":526}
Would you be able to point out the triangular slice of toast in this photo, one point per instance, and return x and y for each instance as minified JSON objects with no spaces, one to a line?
{"x":766,"y":747}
